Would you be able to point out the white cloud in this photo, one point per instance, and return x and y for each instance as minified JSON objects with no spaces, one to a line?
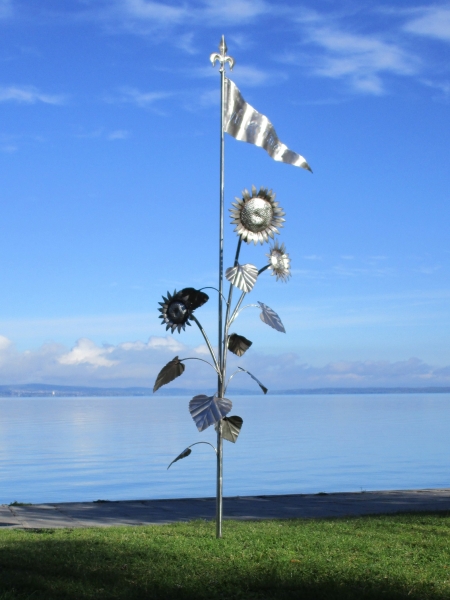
{"x":165,"y":343}
{"x":118,"y":134}
{"x":5,"y":343}
{"x":155,"y":11}
{"x":86,"y":352}
{"x":138,"y":363}
{"x":434,"y":22}
{"x":28,"y":95}
{"x":235,"y":10}
{"x":360,"y":59}
{"x":141,"y":99}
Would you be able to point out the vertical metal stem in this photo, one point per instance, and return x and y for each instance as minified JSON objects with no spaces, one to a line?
{"x":220,"y":384}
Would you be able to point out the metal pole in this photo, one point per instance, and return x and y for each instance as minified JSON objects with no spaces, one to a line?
{"x":223,"y":59}
{"x":219,"y":482}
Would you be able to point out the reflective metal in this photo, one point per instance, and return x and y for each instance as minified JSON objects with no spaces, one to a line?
{"x":257,"y":216}
{"x":270,"y":317}
{"x":223,"y":59}
{"x":238,"y":344}
{"x":193,"y":298}
{"x":246,"y":124}
{"x":180,"y":456}
{"x":279,"y":262}
{"x":174,"y":312}
{"x":188,"y":451}
{"x":168,"y":373}
{"x":261,"y":385}
{"x":207,"y":410}
{"x":231,"y":426}
{"x":242,"y":276}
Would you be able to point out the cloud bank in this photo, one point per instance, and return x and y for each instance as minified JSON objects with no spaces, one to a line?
{"x":138,"y":363}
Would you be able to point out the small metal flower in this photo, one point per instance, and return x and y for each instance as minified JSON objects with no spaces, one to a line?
{"x":175,"y":312}
{"x":257,"y":216}
{"x":279,"y":262}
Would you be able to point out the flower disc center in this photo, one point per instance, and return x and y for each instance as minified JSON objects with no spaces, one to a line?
{"x":256,"y":214}
{"x":177,"y":312}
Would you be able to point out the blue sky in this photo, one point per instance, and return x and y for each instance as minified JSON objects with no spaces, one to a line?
{"x":109,"y":168}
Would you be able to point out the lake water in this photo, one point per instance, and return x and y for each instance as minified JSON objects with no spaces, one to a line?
{"x":84,"y":449}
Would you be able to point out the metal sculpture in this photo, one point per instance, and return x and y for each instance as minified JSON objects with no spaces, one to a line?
{"x":257,"y":218}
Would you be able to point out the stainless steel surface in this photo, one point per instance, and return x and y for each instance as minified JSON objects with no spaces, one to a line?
{"x":261,"y":385}
{"x":238,"y":344}
{"x":242,"y":276}
{"x":279,"y":262}
{"x":270,"y":317}
{"x":169,"y":372}
{"x":174,"y":312}
{"x":222,"y":59}
{"x":180,"y":456}
{"x":246,"y":124}
{"x":257,"y":216}
{"x":231,"y":426}
{"x":207,"y":410}
{"x":188,"y":450}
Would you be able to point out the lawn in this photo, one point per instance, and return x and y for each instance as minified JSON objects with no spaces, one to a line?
{"x":399,"y":556}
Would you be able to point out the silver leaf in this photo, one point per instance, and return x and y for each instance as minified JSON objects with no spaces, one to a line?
{"x":207,"y":410}
{"x":180,"y":456}
{"x":242,"y":276}
{"x":171,"y":371}
{"x":271,"y":318}
{"x":238,"y":344}
{"x":263,"y":387}
{"x":231,"y":426}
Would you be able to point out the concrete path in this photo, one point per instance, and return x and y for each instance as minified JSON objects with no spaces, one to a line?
{"x":158,"y":512}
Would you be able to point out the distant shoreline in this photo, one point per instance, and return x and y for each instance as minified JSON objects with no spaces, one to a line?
{"x":36,"y":390}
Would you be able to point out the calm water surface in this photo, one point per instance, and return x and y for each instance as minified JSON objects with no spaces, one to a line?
{"x":84,"y":449}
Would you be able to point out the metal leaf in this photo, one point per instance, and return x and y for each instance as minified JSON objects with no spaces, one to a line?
{"x":231,"y":426}
{"x":263,"y":387}
{"x":180,"y":456}
{"x":271,"y":318}
{"x":171,"y":371}
{"x":238,"y":344}
{"x":193,"y":298}
{"x":242,"y":276}
{"x":207,"y":410}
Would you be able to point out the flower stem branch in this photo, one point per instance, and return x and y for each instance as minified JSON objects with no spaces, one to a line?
{"x":203,"y":360}
{"x":208,"y":343}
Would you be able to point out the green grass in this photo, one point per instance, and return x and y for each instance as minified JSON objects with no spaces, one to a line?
{"x":399,"y":556}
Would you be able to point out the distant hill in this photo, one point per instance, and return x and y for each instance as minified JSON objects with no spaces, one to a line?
{"x":40,"y":390}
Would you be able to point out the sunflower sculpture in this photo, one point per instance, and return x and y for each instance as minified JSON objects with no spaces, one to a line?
{"x":257,"y":218}
{"x":279,"y":262}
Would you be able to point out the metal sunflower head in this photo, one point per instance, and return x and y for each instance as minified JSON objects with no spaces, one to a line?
{"x":175,"y":312}
{"x":279,"y":262}
{"x":257,"y":216}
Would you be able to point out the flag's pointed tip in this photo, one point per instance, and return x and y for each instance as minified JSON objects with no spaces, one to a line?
{"x":307,"y":167}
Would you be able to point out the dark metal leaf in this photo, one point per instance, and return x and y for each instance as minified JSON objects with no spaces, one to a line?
{"x":263,"y":387}
{"x":242,"y":276}
{"x":180,"y":456}
{"x":207,"y":410}
{"x":193,"y":298}
{"x":231,"y":426}
{"x":171,"y":371}
{"x":271,"y":318}
{"x":238,"y":344}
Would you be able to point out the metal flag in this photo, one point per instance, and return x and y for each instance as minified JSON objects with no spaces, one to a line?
{"x":246,"y":124}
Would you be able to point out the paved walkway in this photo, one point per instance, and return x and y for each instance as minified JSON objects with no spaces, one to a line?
{"x":158,"y":512}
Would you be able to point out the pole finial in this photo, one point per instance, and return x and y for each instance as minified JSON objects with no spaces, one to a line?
{"x":222,"y":57}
